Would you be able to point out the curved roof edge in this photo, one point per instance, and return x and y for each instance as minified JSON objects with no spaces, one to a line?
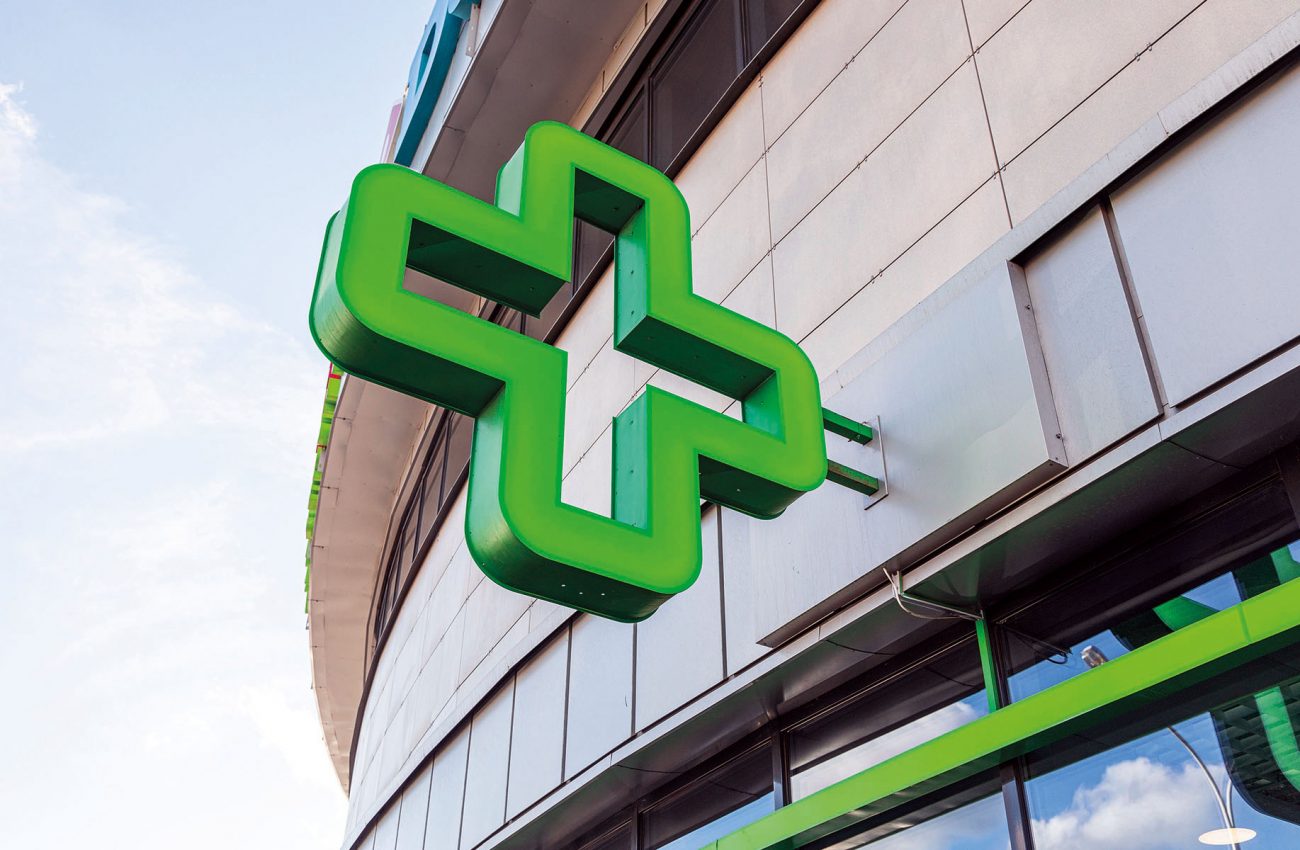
{"x":368,"y":455}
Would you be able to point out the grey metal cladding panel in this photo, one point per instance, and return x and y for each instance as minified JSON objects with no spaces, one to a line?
{"x":489,"y":763}
{"x":1210,"y":237}
{"x":447,"y":793}
{"x":600,"y":690}
{"x":415,"y":810}
{"x":778,"y":569}
{"x":537,"y":739}
{"x":738,"y":591}
{"x":1090,"y":341}
{"x":385,"y":832}
{"x":679,"y":649}
{"x":966,"y":425}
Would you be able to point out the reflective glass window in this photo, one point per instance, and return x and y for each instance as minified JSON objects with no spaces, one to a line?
{"x":459,"y":440}
{"x":1151,"y":588}
{"x":693,"y":78}
{"x":902,"y":710}
{"x":721,"y":802}
{"x":763,"y":18}
{"x":1235,"y":766}
{"x":956,"y":823}
{"x":433,"y":485}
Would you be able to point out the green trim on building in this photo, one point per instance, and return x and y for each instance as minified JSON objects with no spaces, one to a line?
{"x":1213,"y":645}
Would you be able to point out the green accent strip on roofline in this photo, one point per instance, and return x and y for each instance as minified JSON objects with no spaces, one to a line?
{"x":332,"y":384}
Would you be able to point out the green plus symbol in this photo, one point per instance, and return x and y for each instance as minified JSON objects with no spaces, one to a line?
{"x":668,"y":452}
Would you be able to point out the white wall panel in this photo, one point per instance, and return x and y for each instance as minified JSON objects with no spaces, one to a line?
{"x":725,"y":157}
{"x":1055,"y":53}
{"x":1209,"y":233}
{"x":733,"y":241}
{"x":600,"y":690}
{"x":411,"y":823}
{"x":490,"y":613}
{"x":446,"y":794}
{"x":489,"y":764}
{"x":915,"y":52}
{"x":818,"y":51}
{"x":938,"y":158}
{"x":1207,"y":38}
{"x":386,"y":830}
{"x":923,"y":268}
{"x":679,"y":649}
{"x":537,"y":739}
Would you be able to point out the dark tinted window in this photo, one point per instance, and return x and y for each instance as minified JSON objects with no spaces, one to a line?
{"x":694,"y":78}
{"x":762,"y":19}
{"x":721,"y":802}
{"x":433,"y":486}
{"x":461,"y":437}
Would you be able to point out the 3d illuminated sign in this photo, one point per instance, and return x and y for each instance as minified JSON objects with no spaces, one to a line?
{"x":668,"y":452}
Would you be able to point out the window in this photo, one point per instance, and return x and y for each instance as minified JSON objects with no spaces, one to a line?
{"x":969,"y":818}
{"x":719,"y":803}
{"x":1151,"y":587}
{"x":433,"y":485}
{"x":762,"y":19}
{"x":1172,"y":785}
{"x":693,"y":78}
{"x":904,"y":708}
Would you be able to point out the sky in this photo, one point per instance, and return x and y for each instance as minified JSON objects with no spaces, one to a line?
{"x":166,"y":172}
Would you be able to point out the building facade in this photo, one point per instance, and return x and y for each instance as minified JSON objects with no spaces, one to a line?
{"x":1047,"y":251}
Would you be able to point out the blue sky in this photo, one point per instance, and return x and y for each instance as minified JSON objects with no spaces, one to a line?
{"x":166,"y":171}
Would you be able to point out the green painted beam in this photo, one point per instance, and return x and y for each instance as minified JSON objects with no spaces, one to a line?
{"x":1203,"y":649}
{"x":858,"y":432}
{"x":838,"y":473}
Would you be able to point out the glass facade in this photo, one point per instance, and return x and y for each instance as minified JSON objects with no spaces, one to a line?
{"x":920,"y":702}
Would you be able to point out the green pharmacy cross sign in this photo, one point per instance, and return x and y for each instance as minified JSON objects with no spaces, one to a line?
{"x":668,"y":452}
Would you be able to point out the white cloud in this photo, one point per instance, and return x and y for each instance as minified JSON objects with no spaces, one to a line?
{"x":109,"y":332}
{"x":1139,"y":805}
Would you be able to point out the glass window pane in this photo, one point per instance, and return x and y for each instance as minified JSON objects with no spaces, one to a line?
{"x":1200,"y":559}
{"x":631,"y":136}
{"x":723,"y":801}
{"x":890,"y":718}
{"x":458,"y":446}
{"x":409,"y":549}
{"x":693,"y":79}
{"x":949,"y":825}
{"x":1171,"y":788}
{"x":763,"y":18}
{"x":591,"y":246}
{"x":1133,"y":625}
{"x":433,"y":484}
